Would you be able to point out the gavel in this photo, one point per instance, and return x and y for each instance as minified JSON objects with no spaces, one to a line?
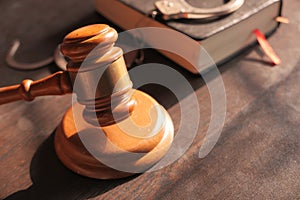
{"x":113,"y":131}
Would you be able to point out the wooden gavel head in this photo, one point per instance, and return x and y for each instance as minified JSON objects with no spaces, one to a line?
{"x":99,"y":70}
{"x":111,"y":121}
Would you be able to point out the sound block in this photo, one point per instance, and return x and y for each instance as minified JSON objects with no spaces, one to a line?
{"x":123,"y":149}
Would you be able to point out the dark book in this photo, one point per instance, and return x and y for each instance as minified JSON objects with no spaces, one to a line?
{"x":221,"y":38}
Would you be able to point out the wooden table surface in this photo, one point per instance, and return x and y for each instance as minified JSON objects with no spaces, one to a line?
{"x":256,"y":157}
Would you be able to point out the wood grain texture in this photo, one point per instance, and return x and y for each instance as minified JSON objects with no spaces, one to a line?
{"x":257,"y":156}
{"x":56,"y":84}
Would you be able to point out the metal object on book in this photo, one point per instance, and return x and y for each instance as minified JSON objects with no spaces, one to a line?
{"x":180,"y":9}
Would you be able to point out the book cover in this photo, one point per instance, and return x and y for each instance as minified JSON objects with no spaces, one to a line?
{"x":222,"y":38}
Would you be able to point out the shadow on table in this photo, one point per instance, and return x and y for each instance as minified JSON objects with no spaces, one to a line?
{"x":52,"y":180}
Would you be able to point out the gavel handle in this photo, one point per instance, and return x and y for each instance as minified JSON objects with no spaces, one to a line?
{"x":56,"y":84}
